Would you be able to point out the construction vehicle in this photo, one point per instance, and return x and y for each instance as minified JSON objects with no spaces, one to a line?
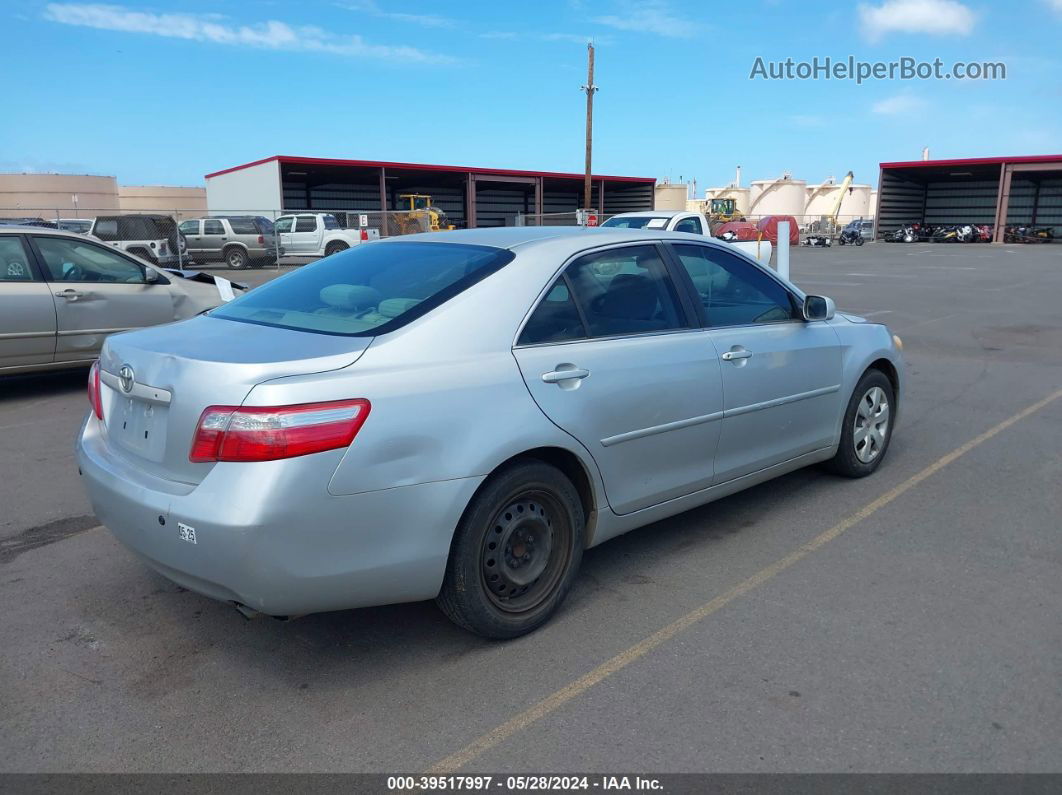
{"x":831,"y":219}
{"x":420,"y":216}
{"x":722,"y":211}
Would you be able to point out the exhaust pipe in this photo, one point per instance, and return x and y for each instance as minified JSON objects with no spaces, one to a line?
{"x":245,"y":611}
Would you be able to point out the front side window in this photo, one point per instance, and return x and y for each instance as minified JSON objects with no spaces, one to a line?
{"x":691,"y":225}
{"x":213,"y":228}
{"x":306,"y":223}
{"x":733,"y":292}
{"x":625,"y":290}
{"x":367,"y":290}
{"x":77,"y":261}
{"x":14,"y":261}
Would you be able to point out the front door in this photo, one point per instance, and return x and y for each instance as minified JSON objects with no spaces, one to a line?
{"x":305,"y":236}
{"x":97,"y":292}
{"x":611,"y":356}
{"x":781,"y":374}
{"x":27,"y":315}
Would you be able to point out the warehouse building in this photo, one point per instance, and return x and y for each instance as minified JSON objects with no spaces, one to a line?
{"x":53,"y":196}
{"x":1002,"y":191}
{"x":469,"y":196}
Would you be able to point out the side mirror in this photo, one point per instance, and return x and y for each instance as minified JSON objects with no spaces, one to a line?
{"x":151,"y":276}
{"x":819,"y":307}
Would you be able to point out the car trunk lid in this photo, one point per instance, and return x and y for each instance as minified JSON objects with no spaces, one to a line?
{"x":158,"y":381}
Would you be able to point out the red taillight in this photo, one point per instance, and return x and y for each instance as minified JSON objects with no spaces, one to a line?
{"x":266,"y":433}
{"x":261,"y":239}
{"x":95,"y":397}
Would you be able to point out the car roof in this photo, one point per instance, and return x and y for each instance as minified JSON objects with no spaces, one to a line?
{"x":653,"y":214}
{"x":511,"y":237}
{"x":40,"y":230}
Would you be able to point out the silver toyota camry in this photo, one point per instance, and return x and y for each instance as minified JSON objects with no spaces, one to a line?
{"x":457,"y":416}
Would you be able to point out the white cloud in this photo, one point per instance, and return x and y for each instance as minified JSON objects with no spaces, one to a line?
{"x":269,"y":35}
{"x":1055,"y":5}
{"x":371,"y":7}
{"x":898,"y":105}
{"x":650,"y":16}
{"x":934,"y":17}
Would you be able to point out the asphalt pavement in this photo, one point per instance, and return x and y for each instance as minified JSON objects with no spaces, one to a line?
{"x":907,"y":622}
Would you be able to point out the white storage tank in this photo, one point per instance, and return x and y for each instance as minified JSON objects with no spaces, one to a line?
{"x":854,"y":204}
{"x":784,"y":196}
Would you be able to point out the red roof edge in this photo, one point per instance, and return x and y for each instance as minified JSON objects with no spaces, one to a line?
{"x":323,"y":161}
{"x":973,"y":161}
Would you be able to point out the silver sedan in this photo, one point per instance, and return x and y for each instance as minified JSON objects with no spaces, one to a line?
{"x":62,"y":293}
{"x":459,"y":415}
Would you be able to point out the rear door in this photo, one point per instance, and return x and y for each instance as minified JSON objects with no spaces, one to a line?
{"x":781,"y":375}
{"x":97,"y":292}
{"x":612,"y":356}
{"x":27,"y":314}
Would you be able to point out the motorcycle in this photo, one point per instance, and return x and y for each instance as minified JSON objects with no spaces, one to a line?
{"x":851,"y":237}
{"x":1028,"y":234}
{"x":819,"y":241}
{"x":908,"y":233}
{"x":983,"y":233}
{"x":956,"y":233}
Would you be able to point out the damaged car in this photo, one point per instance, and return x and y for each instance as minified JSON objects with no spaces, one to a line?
{"x":62,"y":294}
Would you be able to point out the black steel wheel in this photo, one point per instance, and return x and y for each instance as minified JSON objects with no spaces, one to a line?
{"x":515,"y":553}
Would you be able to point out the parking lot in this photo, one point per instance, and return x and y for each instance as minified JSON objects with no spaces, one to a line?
{"x":907,"y":622}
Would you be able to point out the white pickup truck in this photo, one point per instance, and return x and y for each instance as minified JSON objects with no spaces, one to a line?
{"x":694,"y":223}
{"x":314,"y":235}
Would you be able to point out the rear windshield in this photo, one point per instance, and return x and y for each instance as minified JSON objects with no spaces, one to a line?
{"x":636,"y":222}
{"x":367,"y":290}
{"x":265,"y":226}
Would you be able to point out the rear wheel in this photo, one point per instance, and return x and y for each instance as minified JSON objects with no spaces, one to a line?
{"x":867,"y":427}
{"x":236,"y":258}
{"x":335,"y":248}
{"x":515,"y":553}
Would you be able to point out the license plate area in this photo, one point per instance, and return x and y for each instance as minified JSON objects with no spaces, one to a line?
{"x":139,"y":426}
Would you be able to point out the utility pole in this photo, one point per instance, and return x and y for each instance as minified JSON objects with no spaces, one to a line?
{"x":590,"y":90}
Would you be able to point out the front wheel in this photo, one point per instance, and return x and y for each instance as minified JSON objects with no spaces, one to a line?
{"x":867,"y":427}
{"x":859,"y":241}
{"x":516,"y":552}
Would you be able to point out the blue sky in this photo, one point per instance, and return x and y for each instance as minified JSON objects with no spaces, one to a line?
{"x":162,"y":92}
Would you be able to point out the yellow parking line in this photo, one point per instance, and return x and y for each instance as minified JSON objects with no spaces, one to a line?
{"x":561,"y":697}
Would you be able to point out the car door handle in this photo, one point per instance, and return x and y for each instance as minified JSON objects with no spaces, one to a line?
{"x":736,"y":354}
{"x":566,"y":374}
{"x":70,"y":294}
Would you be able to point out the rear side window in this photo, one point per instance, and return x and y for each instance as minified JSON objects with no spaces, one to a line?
{"x":691,"y":225}
{"x":243,"y":226}
{"x":368,"y":290}
{"x":14,"y":261}
{"x":555,"y":319}
{"x":213,"y":228}
{"x":106,"y":229}
{"x":306,"y":223}
{"x":330,"y":222}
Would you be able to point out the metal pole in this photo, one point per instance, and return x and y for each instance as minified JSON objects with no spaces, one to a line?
{"x":783,"y":249}
{"x":590,"y":90}
{"x":177,"y":237}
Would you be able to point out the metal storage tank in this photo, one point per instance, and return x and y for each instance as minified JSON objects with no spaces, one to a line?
{"x":784,"y":196}
{"x":739,"y":195}
{"x":855,"y":204}
{"x":873,"y":204}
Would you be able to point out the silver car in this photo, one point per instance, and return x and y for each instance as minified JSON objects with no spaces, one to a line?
{"x":62,"y":293}
{"x":459,"y":415}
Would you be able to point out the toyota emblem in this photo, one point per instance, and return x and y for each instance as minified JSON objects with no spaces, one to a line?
{"x":127,"y":378}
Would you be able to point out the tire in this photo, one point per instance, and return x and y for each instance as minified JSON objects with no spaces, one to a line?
{"x":840,"y":241}
{"x":859,"y":241}
{"x":236,"y":258}
{"x":853,"y":459}
{"x":335,"y":248}
{"x":515,"y":553}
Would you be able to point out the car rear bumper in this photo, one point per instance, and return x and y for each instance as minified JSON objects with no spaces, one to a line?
{"x":286,"y":548}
